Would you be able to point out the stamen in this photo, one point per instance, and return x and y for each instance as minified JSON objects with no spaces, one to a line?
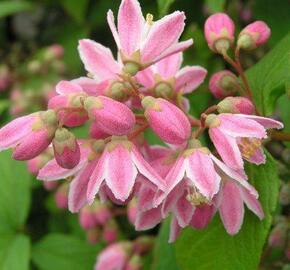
{"x":195,"y":197}
{"x":248,"y":146}
{"x":149,"y":18}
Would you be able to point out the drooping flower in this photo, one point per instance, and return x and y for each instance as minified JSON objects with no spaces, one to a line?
{"x":144,"y":42}
{"x":241,"y":105}
{"x":238,"y":136}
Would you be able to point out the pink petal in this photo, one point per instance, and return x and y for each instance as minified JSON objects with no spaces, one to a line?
{"x":112,"y":25}
{"x":183,"y":211}
{"x":66,"y":88}
{"x":227,"y":148}
{"x":258,"y":157}
{"x":175,"y":230}
{"x":200,"y":170}
{"x":145,"y":77}
{"x":92,"y":87}
{"x":264,"y":121}
{"x":236,"y":126}
{"x":98,"y":59}
{"x":202,"y":216}
{"x":189,"y":78}
{"x":164,"y":33}
{"x":121,"y":172}
{"x":130,"y":25}
{"x":14,"y":131}
{"x":148,"y":219}
{"x":252,"y":203}
{"x":97,"y":177}
{"x":240,"y":179}
{"x":169,"y":66}
{"x":145,"y":169}
{"x":231,"y":208}
{"x":175,"y":48}
{"x":145,"y":195}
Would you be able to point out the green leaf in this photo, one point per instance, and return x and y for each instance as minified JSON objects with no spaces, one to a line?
{"x":11,"y":7}
{"x":164,"y":6}
{"x":14,"y":252}
{"x":268,"y":77}
{"x":284,"y":112}
{"x":14,"y":193}
{"x":212,"y":248}
{"x":58,"y":252}
{"x":164,"y":256}
{"x":215,"y":5}
{"x":76,"y":9}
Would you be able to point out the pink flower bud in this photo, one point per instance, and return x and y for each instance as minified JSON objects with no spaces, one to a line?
{"x":278,"y":235}
{"x":143,"y":244}
{"x":111,"y":116}
{"x":135,"y":263}
{"x":87,"y":218}
{"x":38,"y":138}
{"x":96,"y":132}
{"x":236,"y":105}
{"x":219,"y":32}
{"x":102,"y":213}
{"x":132,"y":211}
{"x":54,"y":52}
{"x":166,"y":120}
{"x":66,"y":148}
{"x":110,"y":232}
{"x":50,"y":185}
{"x":61,"y":196}
{"x":254,"y":35}
{"x":223,"y":83}
{"x":93,"y":235}
{"x":35,"y":164}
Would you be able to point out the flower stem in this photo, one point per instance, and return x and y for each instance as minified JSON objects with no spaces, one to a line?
{"x":279,"y":135}
{"x":138,"y":131}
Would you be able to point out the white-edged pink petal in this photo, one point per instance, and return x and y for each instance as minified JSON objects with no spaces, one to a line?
{"x":264,"y":121}
{"x":148,"y":219}
{"x":121,"y":173}
{"x":258,"y":157}
{"x":231,"y":208}
{"x":227,"y":148}
{"x":146,"y":194}
{"x":252,"y":203}
{"x":189,"y":78}
{"x":112,"y":25}
{"x":175,"y":230}
{"x":92,"y":87}
{"x":237,"y":126}
{"x":67,"y":87}
{"x":164,"y":33}
{"x":200,"y":170}
{"x":202,"y":216}
{"x":130,"y":26}
{"x":145,"y":78}
{"x":98,"y":59}
{"x":183,"y":211}
{"x":169,"y":66}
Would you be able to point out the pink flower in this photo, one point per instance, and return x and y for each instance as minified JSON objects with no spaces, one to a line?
{"x":61,"y":197}
{"x":110,"y":231}
{"x":87,"y":218}
{"x":231,"y":205}
{"x":167,"y":120}
{"x":111,"y":116}
{"x":132,"y":211}
{"x":223,"y":83}
{"x":238,"y":136}
{"x":118,"y":168}
{"x":114,"y":257}
{"x":30,"y":135}
{"x":166,"y":79}
{"x":142,"y":43}
{"x":66,"y":148}
{"x":240,"y":105}
{"x":219,"y":32}
{"x":254,"y":35}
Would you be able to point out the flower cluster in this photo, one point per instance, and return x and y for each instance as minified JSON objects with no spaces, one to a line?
{"x":145,"y":89}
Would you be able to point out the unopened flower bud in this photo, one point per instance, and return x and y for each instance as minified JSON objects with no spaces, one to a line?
{"x":254,"y":35}
{"x":166,"y":120}
{"x":93,"y":235}
{"x":223,"y":83}
{"x":102,"y":212}
{"x":143,"y":244}
{"x":66,"y":148}
{"x":119,"y":91}
{"x":163,"y":90}
{"x":110,"y":231}
{"x":278,"y":235}
{"x":96,"y":132}
{"x":53,"y":52}
{"x":135,"y":263}
{"x":131,"y":68}
{"x":219,"y":32}
{"x":50,"y":185}
{"x":35,"y":164}
{"x":236,"y":105}
{"x":112,"y":117}
{"x":87,"y":218}
{"x":61,"y":196}
{"x":132,"y":211}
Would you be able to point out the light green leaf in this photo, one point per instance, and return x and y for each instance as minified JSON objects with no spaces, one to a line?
{"x":268,"y":77}
{"x":215,"y":5}
{"x":14,"y":193}
{"x":14,"y":252}
{"x":11,"y":7}
{"x":213,"y":249}
{"x":164,"y":256}
{"x":164,"y":6}
{"x":59,"y":252}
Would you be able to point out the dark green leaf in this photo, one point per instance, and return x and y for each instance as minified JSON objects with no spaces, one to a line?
{"x":164,"y":256}
{"x":76,"y":9}
{"x":268,"y":77}
{"x":59,"y":252}
{"x":14,"y":252}
{"x":214,"y":249}
{"x":14,"y":193}
{"x":164,"y":6}
{"x":11,"y":7}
